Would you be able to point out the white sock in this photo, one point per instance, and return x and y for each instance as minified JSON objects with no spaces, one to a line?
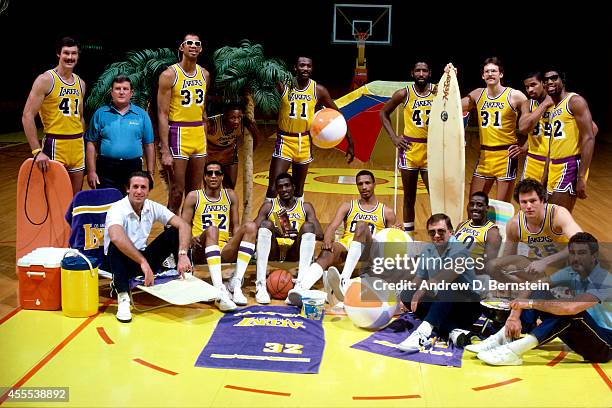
{"x":310,"y":277}
{"x":425,"y":328}
{"x":352,"y":257}
{"x":409,"y":226}
{"x":264,"y":243}
{"x":122,"y":295}
{"x":213,"y":259}
{"x":245,"y":252}
{"x":307,"y":248}
{"x":500,"y":336}
{"x":525,"y":344}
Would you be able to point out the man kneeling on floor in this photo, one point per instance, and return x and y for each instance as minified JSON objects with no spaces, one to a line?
{"x":128,"y":225}
{"x":583,"y":320}
{"x":443,"y":295}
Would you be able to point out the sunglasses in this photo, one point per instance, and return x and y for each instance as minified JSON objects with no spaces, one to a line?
{"x":432,"y":233}
{"x":551,"y":78}
{"x":197,"y":43}
{"x":211,"y":173}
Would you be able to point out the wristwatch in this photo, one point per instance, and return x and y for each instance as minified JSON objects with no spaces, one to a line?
{"x":182,"y":252}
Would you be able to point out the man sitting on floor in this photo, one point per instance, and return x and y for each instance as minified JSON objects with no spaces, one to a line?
{"x":128,"y":225}
{"x":583,"y":321}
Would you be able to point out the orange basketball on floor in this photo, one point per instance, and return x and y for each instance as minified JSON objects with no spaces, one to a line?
{"x":279,"y":283}
{"x":328,"y":128}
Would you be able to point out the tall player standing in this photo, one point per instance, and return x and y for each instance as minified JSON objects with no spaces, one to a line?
{"x":412,"y":145}
{"x":497,"y":108}
{"x":293,"y":144}
{"x":182,"y":116}
{"x":58,"y":95}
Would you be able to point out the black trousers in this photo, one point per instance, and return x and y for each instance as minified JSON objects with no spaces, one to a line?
{"x":447,"y":310}
{"x":123,"y":267}
{"x":114,"y":173}
{"x":580,"y":332}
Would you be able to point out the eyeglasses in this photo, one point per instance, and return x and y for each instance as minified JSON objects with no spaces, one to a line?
{"x":211,"y":173}
{"x":432,"y":233}
{"x":197,"y":43}
{"x":551,"y":78}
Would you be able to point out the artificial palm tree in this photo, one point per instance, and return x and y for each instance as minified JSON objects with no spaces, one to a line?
{"x":143,"y":67}
{"x":244,"y":73}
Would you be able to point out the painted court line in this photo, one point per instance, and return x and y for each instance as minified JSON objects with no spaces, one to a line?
{"x":154,"y":367}
{"x":387,"y":397}
{"x":10,"y":314}
{"x":104,"y":336}
{"x":499,"y":384}
{"x":52,"y":354}
{"x":603,"y":375}
{"x":282,"y":394}
{"x":557,"y":359}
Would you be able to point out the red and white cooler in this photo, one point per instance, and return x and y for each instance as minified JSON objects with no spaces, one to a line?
{"x":39,"y":274}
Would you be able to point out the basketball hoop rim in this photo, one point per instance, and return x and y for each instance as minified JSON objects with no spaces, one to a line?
{"x":361,"y":37}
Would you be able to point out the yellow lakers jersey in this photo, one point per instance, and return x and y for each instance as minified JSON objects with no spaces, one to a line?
{"x":212,"y":212}
{"x":496,"y":119}
{"x":416,"y":112}
{"x":217,"y":135}
{"x":538,"y":139}
{"x":543,"y":242}
{"x":297,"y":108}
{"x":474,"y":236}
{"x":374,"y":217}
{"x":296,"y":214}
{"x":564,"y":130}
{"x":188,"y":95}
{"x":60,"y":111}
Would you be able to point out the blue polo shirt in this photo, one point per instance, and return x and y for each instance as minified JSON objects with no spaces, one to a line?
{"x":120,"y":136}
{"x":598,"y":284}
{"x":455,"y":253}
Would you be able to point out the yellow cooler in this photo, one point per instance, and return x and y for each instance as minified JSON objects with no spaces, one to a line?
{"x":79,"y":285}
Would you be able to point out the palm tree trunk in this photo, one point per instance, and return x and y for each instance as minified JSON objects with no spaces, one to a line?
{"x":247,"y":185}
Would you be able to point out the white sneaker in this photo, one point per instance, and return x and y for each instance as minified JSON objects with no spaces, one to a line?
{"x":335,"y":282}
{"x":294,"y":297}
{"x":237,"y":295}
{"x":459,"y":337}
{"x":487,"y":344}
{"x":124,"y":315}
{"x":224,"y":302}
{"x":261,"y":293}
{"x":500,"y":356}
{"x":414,"y":342}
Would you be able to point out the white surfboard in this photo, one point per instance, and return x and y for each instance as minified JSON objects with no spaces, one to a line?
{"x":446,"y":151}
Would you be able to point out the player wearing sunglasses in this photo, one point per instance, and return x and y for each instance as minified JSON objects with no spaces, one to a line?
{"x":211,"y":212}
{"x":573,"y":139}
{"x":181,"y":101}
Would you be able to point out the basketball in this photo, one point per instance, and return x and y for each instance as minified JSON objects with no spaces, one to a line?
{"x":328,"y":128}
{"x":279,"y":283}
{"x":368,"y":308}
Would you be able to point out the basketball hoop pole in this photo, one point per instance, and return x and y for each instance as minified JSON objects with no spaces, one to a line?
{"x":360,"y":77}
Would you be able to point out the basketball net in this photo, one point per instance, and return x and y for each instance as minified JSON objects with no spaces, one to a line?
{"x":3,"y":5}
{"x":360,"y":77}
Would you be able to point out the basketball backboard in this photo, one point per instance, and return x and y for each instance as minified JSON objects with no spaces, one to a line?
{"x":351,"y":19}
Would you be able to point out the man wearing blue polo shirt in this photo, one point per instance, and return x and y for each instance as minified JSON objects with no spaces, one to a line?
{"x":583,"y":319}
{"x":118,"y":134}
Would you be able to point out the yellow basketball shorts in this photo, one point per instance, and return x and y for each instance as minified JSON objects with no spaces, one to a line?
{"x":563,"y":175}
{"x":66,"y":149}
{"x":294,"y":148}
{"x":534,"y":167}
{"x":416,"y":157}
{"x":187,"y":139}
{"x":494,"y":163}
